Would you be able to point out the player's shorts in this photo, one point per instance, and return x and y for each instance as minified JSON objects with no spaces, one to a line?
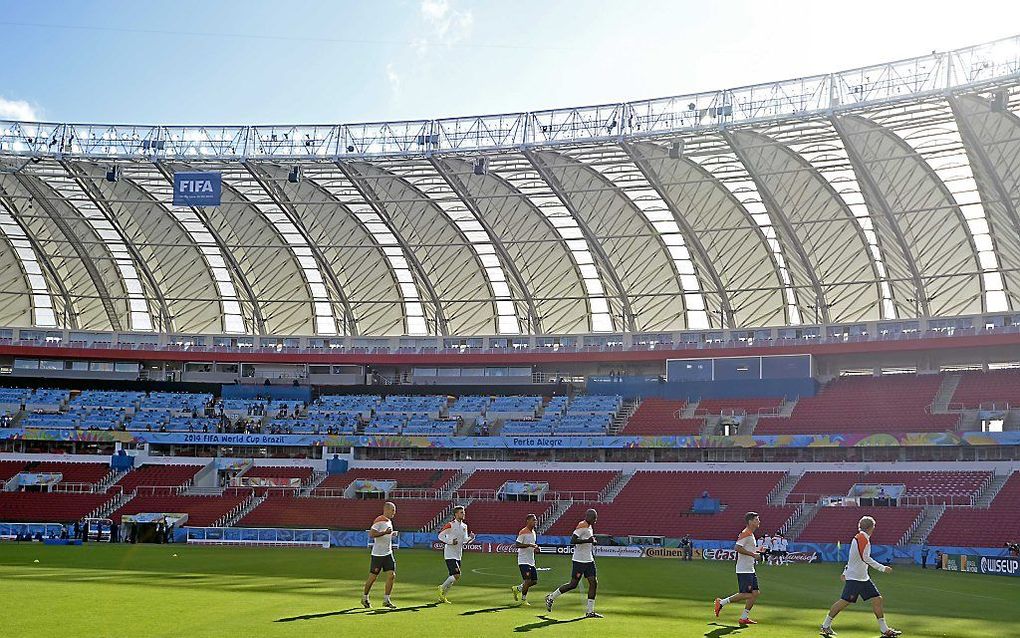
{"x":747,"y":583}
{"x":863,"y":588}
{"x":583,"y":570}
{"x":383,"y":564}
{"x":528,"y":572}
{"x":453,"y":566}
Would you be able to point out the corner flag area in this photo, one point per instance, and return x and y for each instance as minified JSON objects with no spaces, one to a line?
{"x":193,"y":591}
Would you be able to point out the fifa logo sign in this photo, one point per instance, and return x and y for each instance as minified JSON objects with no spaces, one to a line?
{"x":196,"y":186}
{"x":197,"y":189}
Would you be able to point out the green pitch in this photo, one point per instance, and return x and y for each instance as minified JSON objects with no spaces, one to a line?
{"x":216,"y":591}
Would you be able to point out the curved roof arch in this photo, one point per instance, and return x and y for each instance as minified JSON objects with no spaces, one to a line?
{"x":884,"y":192}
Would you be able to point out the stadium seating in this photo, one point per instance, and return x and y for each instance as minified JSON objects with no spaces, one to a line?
{"x":595,"y":405}
{"x":659,"y":503}
{"x":738,"y":405}
{"x":658,"y":417}
{"x":48,"y":507}
{"x":9,"y":468}
{"x":72,"y":472}
{"x":470,"y":405}
{"x":894,"y":403}
{"x":315,"y":424}
{"x":593,"y":482}
{"x":839,"y":524}
{"x":429,"y":405}
{"x":994,"y":387}
{"x":280,"y":471}
{"x":514,"y":407}
{"x":405,"y":478}
{"x":419,"y":425}
{"x":89,"y":399}
{"x":13,"y":399}
{"x":158,"y":476}
{"x":345,"y":404}
{"x":201,"y":510}
{"x":46,"y":399}
{"x":502,"y":517}
{"x":935,"y":487}
{"x":176,"y":402}
{"x":341,"y":513}
{"x":976,"y":527}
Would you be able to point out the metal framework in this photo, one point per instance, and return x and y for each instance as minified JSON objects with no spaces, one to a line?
{"x":884,"y":192}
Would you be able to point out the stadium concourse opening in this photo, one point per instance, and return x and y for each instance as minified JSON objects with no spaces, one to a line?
{"x":606,"y":360}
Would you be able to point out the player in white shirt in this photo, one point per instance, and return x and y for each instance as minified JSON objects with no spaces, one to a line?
{"x":747,"y":580}
{"x":858,"y":581}
{"x":382,"y":534}
{"x":527,"y":543}
{"x":455,"y":536}
{"x":583,"y":564}
{"x":765,"y":548}
{"x":779,"y":546}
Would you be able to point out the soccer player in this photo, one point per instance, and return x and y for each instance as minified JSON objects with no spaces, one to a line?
{"x":583,"y":540}
{"x":765,"y":548}
{"x":747,"y":581}
{"x":382,"y":534}
{"x":781,"y":548}
{"x":455,"y":536}
{"x":858,"y":582}
{"x":526,"y":545}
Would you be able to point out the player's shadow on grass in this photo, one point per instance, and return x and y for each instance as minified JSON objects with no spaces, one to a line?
{"x":723,"y":630}
{"x":489,"y":610}
{"x":546,"y":622}
{"x":356,"y":610}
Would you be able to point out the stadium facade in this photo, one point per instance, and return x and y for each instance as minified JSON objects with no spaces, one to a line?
{"x":882,"y":193}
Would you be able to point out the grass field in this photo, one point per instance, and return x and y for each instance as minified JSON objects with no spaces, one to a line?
{"x":219,"y":591}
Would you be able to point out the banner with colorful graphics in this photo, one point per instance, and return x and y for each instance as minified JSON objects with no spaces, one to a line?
{"x":922,"y":439}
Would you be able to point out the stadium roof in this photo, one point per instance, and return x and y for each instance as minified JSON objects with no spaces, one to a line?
{"x":882,"y":192}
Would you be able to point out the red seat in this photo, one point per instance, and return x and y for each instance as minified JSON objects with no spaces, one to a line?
{"x":49,"y":507}
{"x":975,"y":527}
{"x":840,"y":524}
{"x":341,"y":513}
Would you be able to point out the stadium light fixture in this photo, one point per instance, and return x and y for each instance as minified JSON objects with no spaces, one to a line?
{"x":294,"y":176}
{"x":113,"y":174}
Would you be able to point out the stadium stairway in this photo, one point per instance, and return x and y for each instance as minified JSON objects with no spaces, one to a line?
{"x":616,"y":486}
{"x":559,"y":509}
{"x":621,"y":418}
{"x":990,"y":490}
{"x":235,"y":514}
{"x":785,"y":487}
{"x":316,"y":480}
{"x":940,"y":405}
{"x":801,"y":520}
{"x":925,"y":524}
{"x":114,"y":504}
{"x":456,"y":483}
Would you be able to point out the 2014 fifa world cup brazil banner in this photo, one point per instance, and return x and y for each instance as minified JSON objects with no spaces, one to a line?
{"x":928,"y":439}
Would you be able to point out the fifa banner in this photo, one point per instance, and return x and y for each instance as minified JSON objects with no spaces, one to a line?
{"x":731,"y":555}
{"x":198,"y":189}
{"x":926,"y":439}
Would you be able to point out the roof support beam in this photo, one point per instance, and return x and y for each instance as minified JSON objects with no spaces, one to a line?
{"x":972,"y":145}
{"x":283,"y":203}
{"x":372,"y":198}
{"x":789,"y":236}
{"x":593,"y":243}
{"x":166,"y":323}
{"x":878,"y":201}
{"x":704,"y":262}
{"x":455,"y":183}
{"x":83,"y":256}
{"x":70,"y":317}
{"x":258,"y":321}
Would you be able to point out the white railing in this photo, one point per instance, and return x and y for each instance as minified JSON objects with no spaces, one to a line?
{"x":968,"y":67}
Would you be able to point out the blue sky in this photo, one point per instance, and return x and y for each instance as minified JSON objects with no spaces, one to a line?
{"x":189,"y":61}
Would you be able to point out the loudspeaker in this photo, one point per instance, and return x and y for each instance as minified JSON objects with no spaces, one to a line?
{"x":294,"y":176}
{"x":1000,"y":101}
{"x":676,"y":149}
{"x":113,"y":174}
{"x":481,"y":166}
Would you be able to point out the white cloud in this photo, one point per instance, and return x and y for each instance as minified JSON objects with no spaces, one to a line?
{"x":17,"y":110}
{"x":445,"y":23}
{"x":393,"y":78}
